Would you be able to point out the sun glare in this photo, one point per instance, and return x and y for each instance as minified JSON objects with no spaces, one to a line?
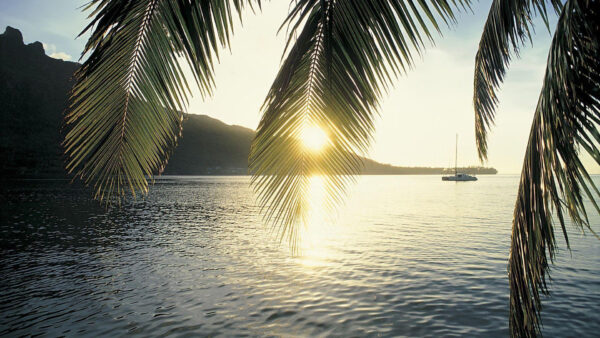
{"x":314,"y":138}
{"x":317,"y":232}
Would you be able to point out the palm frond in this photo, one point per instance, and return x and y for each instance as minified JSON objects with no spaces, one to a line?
{"x":341,"y":56}
{"x":554,"y":182}
{"x":508,"y":26}
{"x":126,"y":107}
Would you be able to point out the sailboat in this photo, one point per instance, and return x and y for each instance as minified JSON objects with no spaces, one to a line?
{"x":459,"y":177}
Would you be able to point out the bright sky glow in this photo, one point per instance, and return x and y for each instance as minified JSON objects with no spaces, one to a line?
{"x":418,"y":118}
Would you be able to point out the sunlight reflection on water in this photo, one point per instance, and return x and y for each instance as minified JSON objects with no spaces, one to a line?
{"x":404,"y":256}
{"x":319,"y":228}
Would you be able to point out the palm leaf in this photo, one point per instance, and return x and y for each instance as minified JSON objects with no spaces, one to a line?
{"x":341,"y":56}
{"x":508,"y":26}
{"x":554,"y":181}
{"x":126,"y":110}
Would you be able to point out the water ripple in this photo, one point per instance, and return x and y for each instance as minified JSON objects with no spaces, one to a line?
{"x":408,"y":256}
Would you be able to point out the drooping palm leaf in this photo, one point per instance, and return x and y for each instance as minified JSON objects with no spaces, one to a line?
{"x":508,"y":26}
{"x":554,"y":182}
{"x":126,"y":111}
{"x":341,"y":56}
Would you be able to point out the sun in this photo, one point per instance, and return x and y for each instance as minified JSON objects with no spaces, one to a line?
{"x":314,"y":138}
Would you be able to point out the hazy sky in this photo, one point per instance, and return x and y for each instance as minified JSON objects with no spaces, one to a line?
{"x":419,"y":118}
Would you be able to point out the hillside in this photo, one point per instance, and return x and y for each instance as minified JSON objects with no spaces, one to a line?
{"x":209,"y":146}
{"x":33,"y":96}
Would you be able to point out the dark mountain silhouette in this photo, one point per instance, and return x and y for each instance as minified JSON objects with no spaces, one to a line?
{"x":34,"y":94}
{"x":209,"y":146}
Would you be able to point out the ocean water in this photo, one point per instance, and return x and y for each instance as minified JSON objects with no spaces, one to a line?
{"x":405,"y":256}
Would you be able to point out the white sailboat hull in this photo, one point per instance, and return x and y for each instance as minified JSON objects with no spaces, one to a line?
{"x":459,"y":178}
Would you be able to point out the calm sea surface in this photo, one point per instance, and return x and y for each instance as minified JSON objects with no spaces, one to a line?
{"x":407,"y":256}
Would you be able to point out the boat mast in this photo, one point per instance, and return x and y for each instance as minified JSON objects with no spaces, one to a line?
{"x":456,"y":156}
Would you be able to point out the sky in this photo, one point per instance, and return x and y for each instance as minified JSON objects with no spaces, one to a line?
{"x":419,"y":117}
